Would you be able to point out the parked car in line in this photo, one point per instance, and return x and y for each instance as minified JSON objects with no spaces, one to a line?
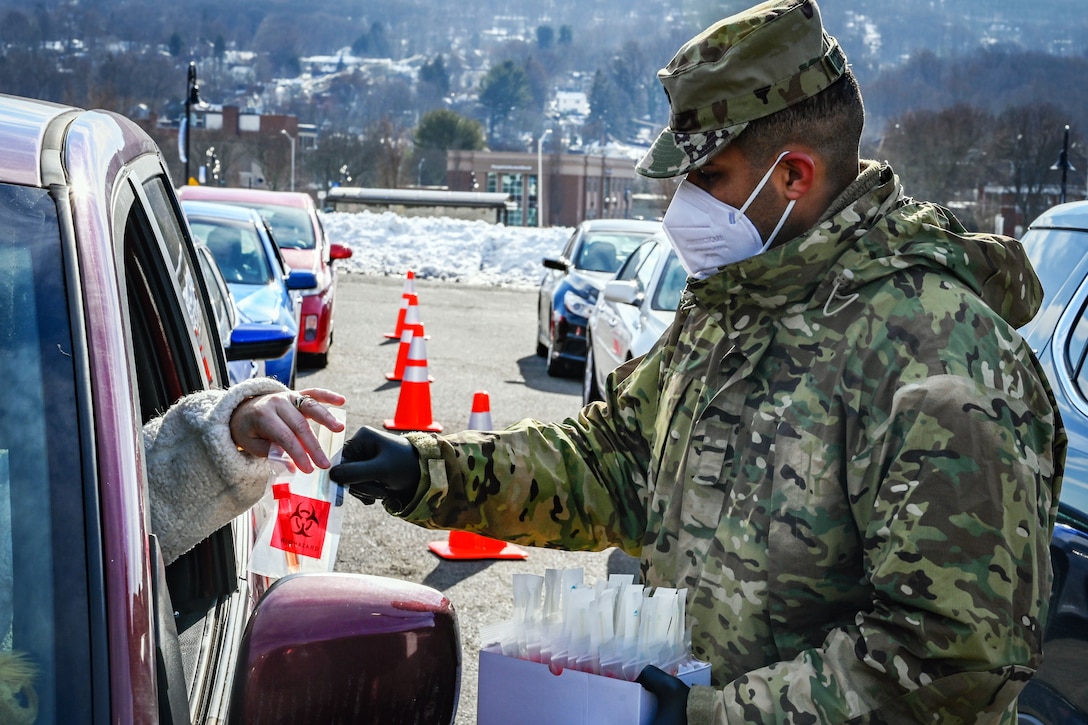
{"x":107,"y":322}
{"x":572,"y":282}
{"x":225,"y":314}
{"x":1057,"y":244}
{"x":632,"y":311}
{"x":301,"y":237}
{"x":265,"y":290}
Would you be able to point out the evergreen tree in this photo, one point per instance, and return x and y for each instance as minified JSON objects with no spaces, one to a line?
{"x":434,"y":73}
{"x":504,"y":90}
{"x":545,"y":37}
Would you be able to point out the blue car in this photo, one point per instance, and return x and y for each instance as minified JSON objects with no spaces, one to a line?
{"x":263,"y":287}
{"x":1057,"y":243}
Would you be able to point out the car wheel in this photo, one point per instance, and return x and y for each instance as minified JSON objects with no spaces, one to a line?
{"x":541,"y":349}
{"x":590,"y":390}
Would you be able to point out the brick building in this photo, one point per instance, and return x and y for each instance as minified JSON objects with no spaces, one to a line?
{"x":576,"y":186}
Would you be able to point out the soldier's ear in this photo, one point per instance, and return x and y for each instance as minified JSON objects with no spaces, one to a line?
{"x":800,"y":173}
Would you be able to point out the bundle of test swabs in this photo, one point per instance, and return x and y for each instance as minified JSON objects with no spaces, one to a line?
{"x":613,"y":628}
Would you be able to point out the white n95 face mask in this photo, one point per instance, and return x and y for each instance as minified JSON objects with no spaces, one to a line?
{"x":707,"y":233}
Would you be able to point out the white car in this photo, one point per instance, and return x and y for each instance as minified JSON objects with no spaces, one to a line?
{"x":634,"y":309}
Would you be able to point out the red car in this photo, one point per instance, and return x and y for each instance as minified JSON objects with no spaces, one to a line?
{"x":107,"y":322}
{"x":305,"y":246}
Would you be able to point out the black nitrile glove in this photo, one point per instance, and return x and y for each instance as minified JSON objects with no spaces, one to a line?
{"x":671,"y":693}
{"x":375,"y":464}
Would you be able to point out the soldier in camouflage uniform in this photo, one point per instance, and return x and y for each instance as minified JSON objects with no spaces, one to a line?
{"x":842,"y":448}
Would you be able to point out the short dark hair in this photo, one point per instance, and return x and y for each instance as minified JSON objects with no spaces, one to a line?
{"x":830,"y":122}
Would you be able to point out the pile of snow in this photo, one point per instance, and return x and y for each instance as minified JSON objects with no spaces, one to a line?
{"x":473,"y":252}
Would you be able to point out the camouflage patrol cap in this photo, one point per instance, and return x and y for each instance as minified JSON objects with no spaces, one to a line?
{"x":744,"y":67}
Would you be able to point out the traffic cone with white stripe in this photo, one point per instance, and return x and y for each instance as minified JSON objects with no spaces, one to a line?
{"x":480,"y":418}
{"x":401,"y":317}
{"x":465,"y":544}
{"x":413,"y":328}
{"x":414,"y":403}
{"x":409,"y":289}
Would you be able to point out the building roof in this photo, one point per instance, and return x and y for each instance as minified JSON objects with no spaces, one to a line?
{"x":418,"y":197}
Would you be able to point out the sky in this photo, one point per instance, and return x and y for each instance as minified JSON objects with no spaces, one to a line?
{"x":454,"y":250}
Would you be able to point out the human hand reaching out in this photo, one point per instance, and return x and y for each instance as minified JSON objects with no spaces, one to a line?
{"x":284,"y":419}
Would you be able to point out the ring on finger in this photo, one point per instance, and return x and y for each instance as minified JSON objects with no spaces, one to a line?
{"x":301,"y":400}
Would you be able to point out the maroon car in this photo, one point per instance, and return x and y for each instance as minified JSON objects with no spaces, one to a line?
{"x":106,"y":322}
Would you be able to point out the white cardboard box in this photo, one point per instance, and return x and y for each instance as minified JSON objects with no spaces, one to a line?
{"x":527,"y":693}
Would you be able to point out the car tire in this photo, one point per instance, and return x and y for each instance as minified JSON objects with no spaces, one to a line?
{"x":541,"y":349}
{"x":591,"y":392}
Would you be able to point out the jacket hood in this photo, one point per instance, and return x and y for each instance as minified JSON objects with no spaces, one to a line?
{"x":870,"y":232}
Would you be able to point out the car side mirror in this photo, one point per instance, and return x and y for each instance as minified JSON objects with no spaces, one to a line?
{"x":624,"y":291}
{"x":301,"y":279}
{"x":341,"y":647}
{"x":339,"y":251}
{"x":555,"y":264}
{"x":259,"y":341}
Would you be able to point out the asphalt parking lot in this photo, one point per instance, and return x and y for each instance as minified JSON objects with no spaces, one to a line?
{"x":480,"y":338}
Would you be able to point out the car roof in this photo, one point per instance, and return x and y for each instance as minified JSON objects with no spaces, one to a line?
{"x":23,"y":124}
{"x":621,"y":225}
{"x":238,"y":195}
{"x":41,"y":143}
{"x":1072,"y":215}
{"x":229,"y":212}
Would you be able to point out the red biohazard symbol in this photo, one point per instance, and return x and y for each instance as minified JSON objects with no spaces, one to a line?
{"x":300,"y":523}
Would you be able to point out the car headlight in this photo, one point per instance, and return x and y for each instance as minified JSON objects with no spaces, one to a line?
{"x":576,"y":304}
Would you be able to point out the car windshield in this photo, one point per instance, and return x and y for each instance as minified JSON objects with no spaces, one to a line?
{"x":606,"y":251}
{"x":44,"y":629}
{"x":237,"y":249}
{"x":290,"y":225}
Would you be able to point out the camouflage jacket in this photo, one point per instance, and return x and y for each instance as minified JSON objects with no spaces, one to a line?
{"x":842,"y":449}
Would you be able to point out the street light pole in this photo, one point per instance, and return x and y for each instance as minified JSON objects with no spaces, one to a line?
{"x":292,"y":140}
{"x":192,"y":98}
{"x":1065,"y":160}
{"x":540,"y":177}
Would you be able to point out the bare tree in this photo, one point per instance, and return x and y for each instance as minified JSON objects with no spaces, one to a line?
{"x":938,"y":154}
{"x":1026,"y":142}
{"x":387,"y":146}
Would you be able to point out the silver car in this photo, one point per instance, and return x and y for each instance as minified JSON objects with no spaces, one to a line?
{"x":634,"y":309}
{"x":572,"y":283}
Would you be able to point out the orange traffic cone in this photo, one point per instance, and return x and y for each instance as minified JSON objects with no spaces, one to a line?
{"x":414,"y":403}
{"x":413,"y":328}
{"x":480,"y":418}
{"x":464,"y":544}
{"x":409,"y":289}
{"x":406,"y":338}
{"x":401,"y":317}
{"x":404,"y":349}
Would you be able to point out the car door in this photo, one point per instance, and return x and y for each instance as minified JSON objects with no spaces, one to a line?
{"x":199,"y":603}
{"x":617,"y":321}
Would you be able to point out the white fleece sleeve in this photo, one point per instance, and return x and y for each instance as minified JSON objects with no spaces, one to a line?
{"x":199,"y":480}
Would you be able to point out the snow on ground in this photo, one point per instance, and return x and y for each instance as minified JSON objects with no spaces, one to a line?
{"x":472,"y":252}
